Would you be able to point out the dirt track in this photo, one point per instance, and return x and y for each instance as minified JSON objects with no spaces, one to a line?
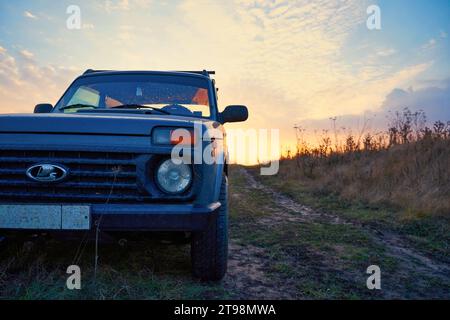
{"x":248,"y":264}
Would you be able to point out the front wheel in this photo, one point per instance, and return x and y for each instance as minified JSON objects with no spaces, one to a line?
{"x":209,"y":249}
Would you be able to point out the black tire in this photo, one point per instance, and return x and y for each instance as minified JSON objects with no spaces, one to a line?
{"x":209,"y":249}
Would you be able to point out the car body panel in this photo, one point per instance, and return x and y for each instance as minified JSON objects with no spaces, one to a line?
{"x":92,"y":123}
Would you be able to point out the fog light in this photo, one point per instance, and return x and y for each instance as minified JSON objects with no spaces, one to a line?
{"x":173,"y":178}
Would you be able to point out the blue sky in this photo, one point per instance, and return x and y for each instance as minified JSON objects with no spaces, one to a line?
{"x":289,"y":61}
{"x":407,"y":27}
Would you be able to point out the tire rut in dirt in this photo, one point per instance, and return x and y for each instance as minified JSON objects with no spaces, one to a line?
{"x":411,"y":260}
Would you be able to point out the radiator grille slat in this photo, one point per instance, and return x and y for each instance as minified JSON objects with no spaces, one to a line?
{"x":78,"y":197}
{"x":66,"y":160}
{"x":66,"y":185}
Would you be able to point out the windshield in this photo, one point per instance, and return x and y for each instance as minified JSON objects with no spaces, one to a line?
{"x":186,"y":96}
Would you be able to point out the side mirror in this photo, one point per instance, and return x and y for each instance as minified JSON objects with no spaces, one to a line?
{"x":43,"y":108}
{"x":234,"y":113}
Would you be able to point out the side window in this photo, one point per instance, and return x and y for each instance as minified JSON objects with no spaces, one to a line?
{"x":85,"y":95}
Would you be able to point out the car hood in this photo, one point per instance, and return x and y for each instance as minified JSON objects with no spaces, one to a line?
{"x":102,"y":124}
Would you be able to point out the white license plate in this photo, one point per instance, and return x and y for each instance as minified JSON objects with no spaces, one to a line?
{"x":45,"y":217}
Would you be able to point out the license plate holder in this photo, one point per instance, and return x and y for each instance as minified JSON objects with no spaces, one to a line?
{"x":45,"y":217}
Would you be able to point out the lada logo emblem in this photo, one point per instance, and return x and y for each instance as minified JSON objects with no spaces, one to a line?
{"x":46,"y":173}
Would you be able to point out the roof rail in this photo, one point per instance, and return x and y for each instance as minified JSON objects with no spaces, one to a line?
{"x":92,"y":71}
{"x":204,"y":72}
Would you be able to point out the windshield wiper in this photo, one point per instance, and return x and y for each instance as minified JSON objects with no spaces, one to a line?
{"x":78,"y":106}
{"x":138,"y":106}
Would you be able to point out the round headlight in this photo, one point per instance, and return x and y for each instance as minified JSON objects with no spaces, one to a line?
{"x":173,"y":178}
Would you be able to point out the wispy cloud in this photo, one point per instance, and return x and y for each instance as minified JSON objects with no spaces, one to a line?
{"x":124,"y":5}
{"x":26,"y":54}
{"x":29,"y":15}
{"x":386,"y":52}
{"x":88,"y":26}
{"x":22,"y":74}
{"x":436,"y":41}
{"x":430,"y":44}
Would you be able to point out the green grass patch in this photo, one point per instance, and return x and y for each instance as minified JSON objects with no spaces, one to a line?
{"x":427,"y":233}
{"x":142,"y":270}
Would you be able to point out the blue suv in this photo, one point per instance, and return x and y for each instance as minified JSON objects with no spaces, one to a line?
{"x":102,"y":160}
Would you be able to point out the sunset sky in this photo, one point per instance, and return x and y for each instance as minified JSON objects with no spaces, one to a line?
{"x":290,"y":62}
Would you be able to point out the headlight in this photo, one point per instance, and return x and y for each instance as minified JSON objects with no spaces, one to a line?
{"x":173,"y":178}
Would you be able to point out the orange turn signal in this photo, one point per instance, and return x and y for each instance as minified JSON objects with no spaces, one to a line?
{"x":179,"y":136}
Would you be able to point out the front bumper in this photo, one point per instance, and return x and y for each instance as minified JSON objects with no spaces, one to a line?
{"x":157,"y":217}
{"x":115,"y":217}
